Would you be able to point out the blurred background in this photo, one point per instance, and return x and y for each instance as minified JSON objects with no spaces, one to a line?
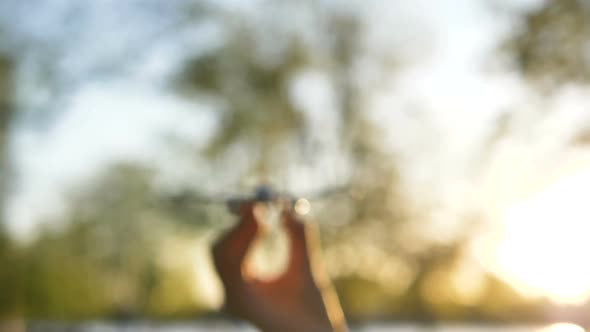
{"x":457,"y":134}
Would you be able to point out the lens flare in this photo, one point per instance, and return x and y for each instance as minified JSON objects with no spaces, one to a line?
{"x":302,"y":206}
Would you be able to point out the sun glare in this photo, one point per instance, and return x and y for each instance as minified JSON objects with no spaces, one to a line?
{"x":545,"y":246}
{"x":563,"y":327}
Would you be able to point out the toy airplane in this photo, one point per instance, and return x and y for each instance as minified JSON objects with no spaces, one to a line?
{"x":262,"y":193}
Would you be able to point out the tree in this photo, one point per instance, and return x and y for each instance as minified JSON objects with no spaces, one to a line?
{"x":9,"y":253}
{"x":6,"y":114}
{"x":552,"y":45}
{"x":108,"y":252}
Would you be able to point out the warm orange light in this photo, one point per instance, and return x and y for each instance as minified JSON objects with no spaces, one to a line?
{"x":545,"y":247}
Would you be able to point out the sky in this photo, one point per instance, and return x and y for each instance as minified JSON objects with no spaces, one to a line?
{"x":107,"y":119}
{"x":438,"y":111}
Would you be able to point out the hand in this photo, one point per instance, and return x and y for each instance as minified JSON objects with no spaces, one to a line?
{"x":301,"y":299}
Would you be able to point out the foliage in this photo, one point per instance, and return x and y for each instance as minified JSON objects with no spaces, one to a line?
{"x":106,"y":253}
{"x":552,"y":46}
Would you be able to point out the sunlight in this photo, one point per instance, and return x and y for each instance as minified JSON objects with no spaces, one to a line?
{"x":563,"y":327}
{"x":544,"y":249}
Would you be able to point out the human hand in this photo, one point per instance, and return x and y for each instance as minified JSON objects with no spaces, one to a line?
{"x":300,"y":299}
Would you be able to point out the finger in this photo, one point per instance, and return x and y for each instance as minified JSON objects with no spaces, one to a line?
{"x":299,"y":260}
{"x":230,"y":250}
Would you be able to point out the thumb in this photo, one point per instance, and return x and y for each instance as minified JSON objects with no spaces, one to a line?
{"x":230,"y":250}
